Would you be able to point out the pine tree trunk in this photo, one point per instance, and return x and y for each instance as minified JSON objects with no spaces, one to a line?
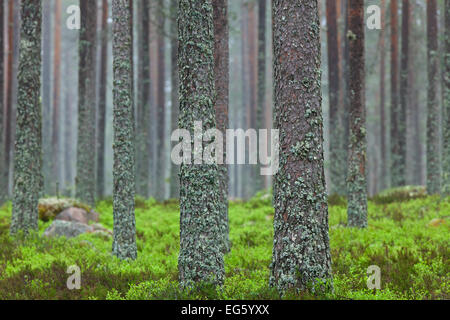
{"x":404,"y":89}
{"x":3,"y":171}
{"x":221,"y":74}
{"x":174,"y":169}
{"x":143,"y":105}
{"x":446,"y":105}
{"x":383,"y":149}
{"x":396,"y":163}
{"x":356,"y":174}
{"x":161,"y":43}
{"x":85,"y":180}
{"x":124,"y":239}
{"x":56,"y":96}
{"x":433,"y":156}
{"x":201,"y":257}
{"x":28,"y":153}
{"x":300,"y":259}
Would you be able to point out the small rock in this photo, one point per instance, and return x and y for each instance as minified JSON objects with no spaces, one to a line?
{"x":77,"y":215}
{"x":68,"y":229}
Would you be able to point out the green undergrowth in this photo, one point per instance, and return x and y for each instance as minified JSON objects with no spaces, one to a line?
{"x":412,"y":253}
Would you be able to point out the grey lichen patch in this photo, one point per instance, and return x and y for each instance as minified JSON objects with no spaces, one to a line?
{"x":124,"y":237}
{"x":201,"y":256}
{"x":27,"y":155}
{"x":301,"y":255}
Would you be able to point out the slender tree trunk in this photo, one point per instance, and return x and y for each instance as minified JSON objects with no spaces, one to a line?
{"x":337,"y":153}
{"x":143,"y":148}
{"x":300,"y":198}
{"x":201,"y":257}
{"x":396,"y":164}
{"x":356,"y":178}
{"x":446,"y":105}
{"x":101,"y":126}
{"x":161,"y":44}
{"x":46,"y":96}
{"x":28,"y":153}
{"x":3,"y":171}
{"x":124,"y":241}
{"x":9,"y":92}
{"x":56,"y":95}
{"x":404,"y":88}
{"x":174,"y":169}
{"x":221,"y":74}
{"x":433,"y":156}
{"x":383,"y":149}
{"x":261,"y":102}
{"x":85,"y":180}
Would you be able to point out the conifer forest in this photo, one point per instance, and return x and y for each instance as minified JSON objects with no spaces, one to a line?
{"x":224,"y":150}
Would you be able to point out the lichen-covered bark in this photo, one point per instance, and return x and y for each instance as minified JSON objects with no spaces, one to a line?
{"x":446,"y":105}
{"x":396,"y":165}
{"x":404,"y":89}
{"x":301,"y":251}
{"x":356,"y":175}
{"x":336,"y":132}
{"x":3,"y":177}
{"x":143,"y":106}
{"x":174,"y":169}
{"x":27,"y":156}
{"x":85,"y":179}
{"x":221,"y":74}
{"x":124,"y":238}
{"x":433,"y":156}
{"x":383,"y":148}
{"x":101,"y":114}
{"x":201,"y":257}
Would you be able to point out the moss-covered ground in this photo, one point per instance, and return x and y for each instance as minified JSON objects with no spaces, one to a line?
{"x":407,"y":238}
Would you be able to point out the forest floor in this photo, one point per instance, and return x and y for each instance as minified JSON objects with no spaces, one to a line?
{"x":407,"y":237}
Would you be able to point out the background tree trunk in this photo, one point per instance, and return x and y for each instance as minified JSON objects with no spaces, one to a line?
{"x":356,"y":178}
{"x":56,"y":97}
{"x":383,"y":149}
{"x":28,"y":152}
{"x":85,"y":180}
{"x":446,"y":104}
{"x":3,"y":171}
{"x":300,"y":198}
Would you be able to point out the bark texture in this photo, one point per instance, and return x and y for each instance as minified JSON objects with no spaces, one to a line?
{"x":221,"y":73}
{"x":27,"y":157}
{"x":383,"y":148}
{"x":124,"y":237}
{"x":446,"y":104}
{"x":301,"y":251}
{"x":3,"y":172}
{"x":433,"y":156}
{"x":356,"y":175}
{"x":201,"y":257}
{"x":85,"y":180}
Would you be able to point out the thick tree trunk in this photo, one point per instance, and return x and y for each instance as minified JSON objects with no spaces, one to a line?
{"x":124,"y":240}
{"x":85,"y":180}
{"x":201,"y":257}
{"x":221,"y":74}
{"x":28,"y":153}
{"x":301,"y":251}
{"x":56,"y":97}
{"x":446,"y":105}
{"x":101,"y":126}
{"x":433,"y":156}
{"x":356,"y":173}
{"x":143,"y":105}
{"x":396,"y":164}
{"x":174,"y":169}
